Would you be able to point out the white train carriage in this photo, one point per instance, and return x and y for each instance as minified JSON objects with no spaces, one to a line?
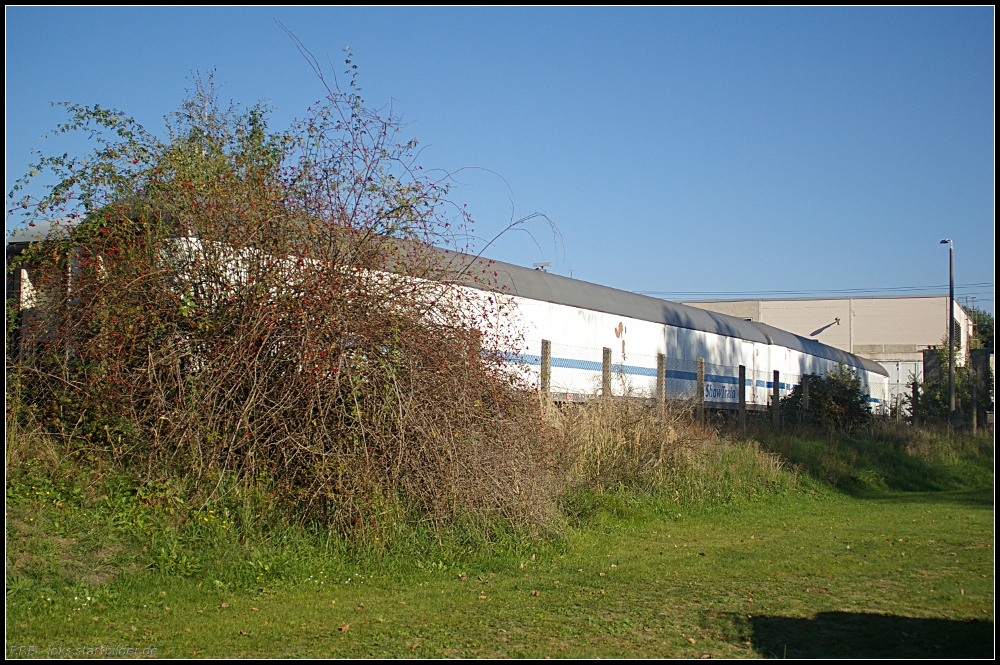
{"x":581,"y":319}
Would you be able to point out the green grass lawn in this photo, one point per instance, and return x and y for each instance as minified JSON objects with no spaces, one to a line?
{"x":901,"y":574}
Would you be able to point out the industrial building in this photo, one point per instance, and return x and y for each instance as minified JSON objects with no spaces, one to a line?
{"x":891,"y":330}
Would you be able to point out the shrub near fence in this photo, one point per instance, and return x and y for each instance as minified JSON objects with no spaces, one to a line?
{"x":835,"y":400}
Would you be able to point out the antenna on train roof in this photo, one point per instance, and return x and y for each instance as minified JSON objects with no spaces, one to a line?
{"x":541,"y":266}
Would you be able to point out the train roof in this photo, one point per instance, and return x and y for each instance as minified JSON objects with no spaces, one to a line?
{"x":40,"y":230}
{"x":815,"y":348}
{"x":560,"y":290}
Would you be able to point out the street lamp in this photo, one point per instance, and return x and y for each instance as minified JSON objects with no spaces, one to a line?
{"x":951,"y":330}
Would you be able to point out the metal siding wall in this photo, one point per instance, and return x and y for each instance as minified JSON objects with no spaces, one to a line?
{"x":805,"y":317}
{"x":901,"y":373}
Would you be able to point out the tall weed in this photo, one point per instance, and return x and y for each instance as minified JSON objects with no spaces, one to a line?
{"x":658,"y":456}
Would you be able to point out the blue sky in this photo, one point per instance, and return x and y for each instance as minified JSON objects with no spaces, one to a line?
{"x":687,"y":152}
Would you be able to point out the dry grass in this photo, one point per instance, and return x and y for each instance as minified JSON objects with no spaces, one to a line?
{"x":625,"y":442}
{"x":659,"y":449}
{"x":25,"y":439}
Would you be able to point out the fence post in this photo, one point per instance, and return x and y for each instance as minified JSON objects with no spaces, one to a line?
{"x":701,"y":391}
{"x":776,"y":401}
{"x":546,"y":367}
{"x":805,"y":398}
{"x":916,"y":404}
{"x":27,"y":314}
{"x":743,"y":400}
{"x":973,"y":376}
{"x":661,"y":377}
{"x":606,"y":373}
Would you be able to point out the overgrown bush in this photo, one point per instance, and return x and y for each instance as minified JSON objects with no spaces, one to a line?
{"x":836,"y":400}
{"x":238,"y":304}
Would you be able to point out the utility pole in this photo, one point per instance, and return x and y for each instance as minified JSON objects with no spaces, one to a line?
{"x":951,"y":330}
{"x":975,"y":323}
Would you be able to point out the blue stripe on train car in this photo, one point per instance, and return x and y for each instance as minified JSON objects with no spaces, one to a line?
{"x":595,"y":366}
{"x":618,"y":368}
{"x":770,"y":384}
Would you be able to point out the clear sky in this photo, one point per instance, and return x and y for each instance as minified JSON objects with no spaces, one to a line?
{"x":692,"y":153}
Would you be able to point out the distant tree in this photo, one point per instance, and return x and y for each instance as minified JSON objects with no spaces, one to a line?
{"x":983,"y":320}
{"x":934,"y":396}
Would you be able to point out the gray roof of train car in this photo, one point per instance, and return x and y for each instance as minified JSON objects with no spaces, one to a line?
{"x":546,"y":287}
{"x":811,"y":346}
{"x":40,"y":231}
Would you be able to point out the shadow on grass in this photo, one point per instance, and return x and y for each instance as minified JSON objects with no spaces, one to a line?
{"x":979,"y":498}
{"x":851,"y":635}
{"x":868,"y":466}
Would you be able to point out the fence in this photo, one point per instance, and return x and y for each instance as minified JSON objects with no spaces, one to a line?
{"x":569,"y":373}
